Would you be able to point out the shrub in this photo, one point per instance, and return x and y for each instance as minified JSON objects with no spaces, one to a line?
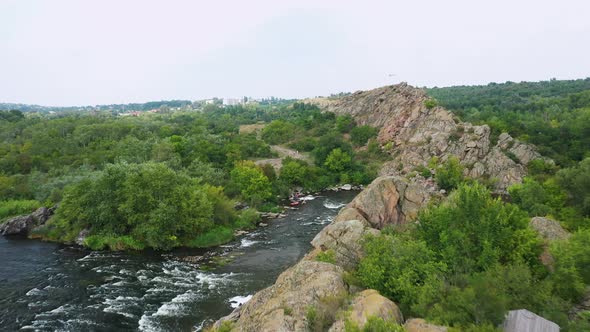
{"x":214,"y":237}
{"x":430,"y":103}
{"x":13,"y":208}
{"x":328,"y":256}
{"x":373,"y":324}
{"x":450,"y":174}
{"x":360,"y":135}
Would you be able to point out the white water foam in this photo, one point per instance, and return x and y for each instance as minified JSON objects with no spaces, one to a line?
{"x":332,"y":205}
{"x":237,"y":301}
{"x":247,"y":243}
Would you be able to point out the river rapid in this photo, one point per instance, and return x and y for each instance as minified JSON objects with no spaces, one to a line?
{"x":51,"y":287}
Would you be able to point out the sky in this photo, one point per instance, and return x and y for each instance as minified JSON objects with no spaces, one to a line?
{"x":72,"y":52}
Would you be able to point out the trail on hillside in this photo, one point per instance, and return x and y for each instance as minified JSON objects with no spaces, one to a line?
{"x":283,"y":152}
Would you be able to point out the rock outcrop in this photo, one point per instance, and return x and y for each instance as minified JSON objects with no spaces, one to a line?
{"x":549,"y":230}
{"x":344,"y":240}
{"x":369,"y":303}
{"x":420,"y":325}
{"x":390,"y":200}
{"x":414,"y":133}
{"x":22,"y":225}
{"x":284,"y":305}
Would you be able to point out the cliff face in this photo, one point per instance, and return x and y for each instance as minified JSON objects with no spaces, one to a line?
{"x":413,"y":134}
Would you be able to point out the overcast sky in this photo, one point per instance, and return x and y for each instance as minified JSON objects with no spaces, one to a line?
{"x":71,"y":52}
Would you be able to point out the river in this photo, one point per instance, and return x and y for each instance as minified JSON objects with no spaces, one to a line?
{"x":51,"y":287}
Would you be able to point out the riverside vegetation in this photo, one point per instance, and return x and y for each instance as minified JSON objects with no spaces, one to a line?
{"x":471,"y":256}
{"x":169,"y":179}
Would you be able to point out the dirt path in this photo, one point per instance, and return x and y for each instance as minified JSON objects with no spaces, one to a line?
{"x":283,"y":152}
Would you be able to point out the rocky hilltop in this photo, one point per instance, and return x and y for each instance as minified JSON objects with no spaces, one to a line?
{"x":414,"y":133}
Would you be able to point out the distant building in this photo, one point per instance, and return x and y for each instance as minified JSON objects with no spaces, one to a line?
{"x":525,"y":321}
{"x":232,"y":101}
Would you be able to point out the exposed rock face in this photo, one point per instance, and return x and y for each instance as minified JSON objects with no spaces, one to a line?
{"x":283,"y":306}
{"x":548,"y":229}
{"x":390,"y":200}
{"x":420,"y":325}
{"x":369,"y":303}
{"x":22,"y":225}
{"x":344,"y":239}
{"x":416,"y":133}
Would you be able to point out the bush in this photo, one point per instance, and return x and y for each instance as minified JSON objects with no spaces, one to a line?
{"x":449,"y":175}
{"x":214,"y":237}
{"x":373,"y":324}
{"x":328,"y":256}
{"x":360,"y":135}
{"x":150,"y":202}
{"x":13,"y":208}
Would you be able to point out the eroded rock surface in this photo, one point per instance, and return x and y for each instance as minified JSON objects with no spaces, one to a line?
{"x":413,"y":134}
{"x":22,"y":225}
{"x":344,"y":240}
{"x":283,"y":306}
{"x":369,"y":303}
{"x":390,"y":200}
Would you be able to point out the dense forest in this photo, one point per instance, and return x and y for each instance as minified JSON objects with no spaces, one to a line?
{"x":162,"y":180}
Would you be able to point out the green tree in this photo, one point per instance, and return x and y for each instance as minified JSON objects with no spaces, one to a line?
{"x":253,"y":185}
{"x":361,"y":134}
{"x":338,"y":161}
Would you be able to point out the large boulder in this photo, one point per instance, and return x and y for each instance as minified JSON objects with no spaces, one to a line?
{"x":369,"y":303}
{"x":344,"y":238}
{"x":548,"y":229}
{"x":348,"y":213}
{"x":420,"y":325}
{"x":22,"y":225}
{"x":284,"y":305}
{"x":390,"y":200}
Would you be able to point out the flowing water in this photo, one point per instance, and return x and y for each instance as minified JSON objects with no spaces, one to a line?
{"x":50,"y":287}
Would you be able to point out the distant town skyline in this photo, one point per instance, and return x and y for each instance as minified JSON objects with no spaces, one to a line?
{"x":74,"y":53}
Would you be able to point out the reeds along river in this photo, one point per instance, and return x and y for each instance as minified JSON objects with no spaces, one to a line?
{"x":50,"y":287}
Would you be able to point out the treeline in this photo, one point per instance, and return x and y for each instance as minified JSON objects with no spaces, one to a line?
{"x":167,"y":180}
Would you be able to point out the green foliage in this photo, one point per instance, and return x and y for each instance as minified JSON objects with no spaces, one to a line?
{"x":344,"y":123}
{"x":248,"y":219}
{"x":154,"y":204}
{"x":424,"y":171}
{"x":361,"y":134}
{"x":576,"y":181}
{"x":100,"y":242}
{"x":212,"y":237}
{"x":468,"y":261}
{"x":338,"y":161}
{"x":430,"y":103}
{"x":472,"y":231}
{"x":374,"y":324}
{"x":450,"y":174}
{"x":295,"y":172}
{"x":278,"y":132}
{"x":328,"y":256}
{"x":253,"y":185}
{"x":12,"y":208}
